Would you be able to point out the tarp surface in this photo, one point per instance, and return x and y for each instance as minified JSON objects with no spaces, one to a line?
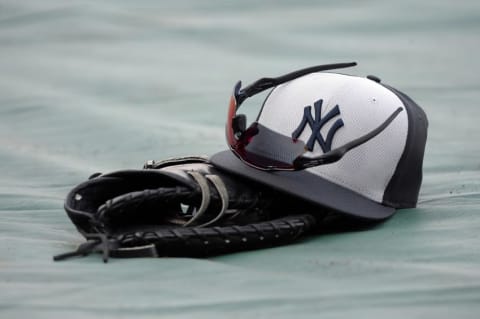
{"x":96,"y":86}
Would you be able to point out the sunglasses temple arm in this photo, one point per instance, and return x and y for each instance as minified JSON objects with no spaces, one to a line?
{"x":267,"y":83}
{"x":312,"y":69}
{"x":337,"y":154}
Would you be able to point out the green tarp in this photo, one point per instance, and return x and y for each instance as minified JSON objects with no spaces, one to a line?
{"x":89,"y":86}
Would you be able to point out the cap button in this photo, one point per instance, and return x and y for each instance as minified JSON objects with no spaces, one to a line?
{"x":374,"y":78}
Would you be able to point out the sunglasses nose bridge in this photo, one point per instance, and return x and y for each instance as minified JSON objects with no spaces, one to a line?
{"x":239,"y":124}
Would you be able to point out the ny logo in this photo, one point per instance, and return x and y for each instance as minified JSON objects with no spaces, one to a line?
{"x":317,"y":124}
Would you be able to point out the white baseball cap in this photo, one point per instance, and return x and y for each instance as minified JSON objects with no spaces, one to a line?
{"x":346,"y":143}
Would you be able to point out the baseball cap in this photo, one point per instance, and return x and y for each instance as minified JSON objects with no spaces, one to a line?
{"x":360,"y":143}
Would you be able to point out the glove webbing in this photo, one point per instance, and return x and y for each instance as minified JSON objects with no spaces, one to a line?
{"x":131,"y":203}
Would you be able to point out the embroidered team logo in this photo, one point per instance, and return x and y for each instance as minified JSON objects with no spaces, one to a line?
{"x":316,"y":125}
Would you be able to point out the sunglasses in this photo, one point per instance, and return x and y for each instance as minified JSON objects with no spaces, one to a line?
{"x":264,"y":149}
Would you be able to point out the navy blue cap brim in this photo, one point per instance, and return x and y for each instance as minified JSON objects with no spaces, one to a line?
{"x":307,"y":186}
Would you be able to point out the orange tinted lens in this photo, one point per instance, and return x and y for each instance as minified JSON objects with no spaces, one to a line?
{"x":229,"y":133}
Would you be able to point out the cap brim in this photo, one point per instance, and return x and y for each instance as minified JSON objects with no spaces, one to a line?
{"x":307,"y":186}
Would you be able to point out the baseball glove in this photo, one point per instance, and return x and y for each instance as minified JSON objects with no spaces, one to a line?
{"x":182,"y":207}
